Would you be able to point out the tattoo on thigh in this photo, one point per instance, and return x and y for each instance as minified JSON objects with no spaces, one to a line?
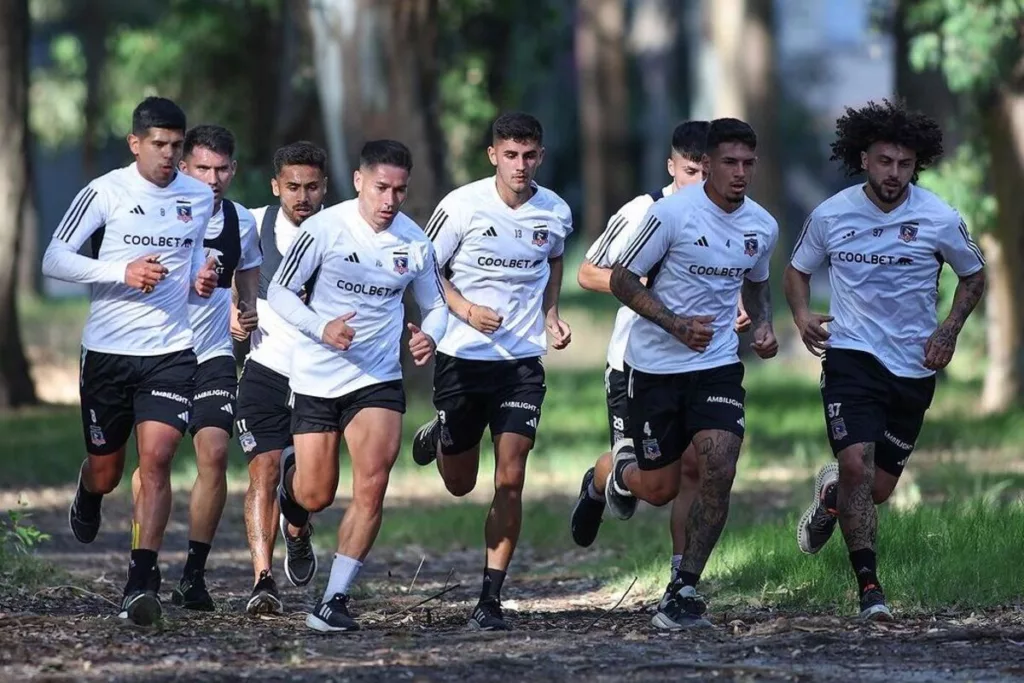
{"x":711,"y":508}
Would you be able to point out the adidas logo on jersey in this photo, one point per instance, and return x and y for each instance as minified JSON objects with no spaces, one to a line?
{"x":352,"y":258}
{"x":138,"y":211}
{"x":228,"y":409}
{"x":702,"y":242}
{"x":490,"y":232}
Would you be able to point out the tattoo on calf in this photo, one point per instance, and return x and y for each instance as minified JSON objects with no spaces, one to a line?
{"x":711,"y":508}
{"x":858,"y":518}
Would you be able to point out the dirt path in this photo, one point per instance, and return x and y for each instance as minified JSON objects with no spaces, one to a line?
{"x":62,"y":634}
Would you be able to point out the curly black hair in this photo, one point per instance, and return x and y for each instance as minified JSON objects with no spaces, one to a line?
{"x":858,"y":129}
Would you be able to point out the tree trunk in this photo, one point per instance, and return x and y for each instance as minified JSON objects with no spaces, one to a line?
{"x":653,"y":38}
{"x":1004,"y":248}
{"x":604,"y":111}
{"x":743,"y":35}
{"x":16,"y":387}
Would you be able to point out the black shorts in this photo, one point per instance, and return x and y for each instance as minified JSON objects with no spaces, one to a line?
{"x":618,"y":404}
{"x":469,"y":395}
{"x":666,"y":411}
{"x":314,"y":415}
{"x":264,"y":412}
{"x":213,"y":404}
{"x":118,"y":392}
{"x":865,"y":403}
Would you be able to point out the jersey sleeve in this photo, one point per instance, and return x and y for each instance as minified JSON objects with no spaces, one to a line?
{"x":252,"y":252}
{"x":303,"y":258}
{"x":87,"y":214}
{"x":564,"y":214}
{"x":429,"y":294}
{"x":811,"y":246}
{"x":762,"y":268}
{"x":649,"y":244}
{"x":958,"y":248}
{"x":445,"y":229}
{"x":604,"y":251}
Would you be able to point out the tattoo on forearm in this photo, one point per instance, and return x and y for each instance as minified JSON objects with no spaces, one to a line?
{"x":628,"y":289}
{"x":711,"y":508}
{"x":857,"y":516}
{"x":757,"y":300}
{"x":965,"y":299}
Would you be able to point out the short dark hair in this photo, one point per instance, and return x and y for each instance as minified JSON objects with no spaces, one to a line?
{"x":858,"y":129}
{"x":721,"y":131}
{"x":387,"y":152}
{"x":210,"y":136}
{"x":301,"y":153}
{"x":157,"y":112}
{"x":518,"y":127}
{"x":689,"y":139}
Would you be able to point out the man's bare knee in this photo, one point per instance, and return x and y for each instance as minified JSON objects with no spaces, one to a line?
{"x":105,"y":473}
{"x":213,"y":461}
{"x":265,"y":470}
{"x":662,"y":493}
{"x":852,"y":468}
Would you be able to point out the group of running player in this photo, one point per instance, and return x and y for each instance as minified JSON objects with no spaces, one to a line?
{"x":177,"y":271}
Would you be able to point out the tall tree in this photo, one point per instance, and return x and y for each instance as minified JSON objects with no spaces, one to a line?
{"x":743,"y":39}
{"x":376,"y":63}
{"x":653,"y":37}
{"x":604,"y":110}
{"x":980,"y":51}
{"x":16,"y":387}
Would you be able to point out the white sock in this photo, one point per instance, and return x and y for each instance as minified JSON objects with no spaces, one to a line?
{"x":676,"y":561}
{"x":593,"y":494}
{"x":343,"y":573}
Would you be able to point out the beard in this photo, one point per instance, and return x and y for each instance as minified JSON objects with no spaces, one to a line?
{"x":888,"y":194}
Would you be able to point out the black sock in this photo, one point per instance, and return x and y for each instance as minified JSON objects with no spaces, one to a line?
{"x":864,"y":567}
{"x":687,"y":578}
{"x":493,"y":578}
{"x":295,"y":514}
{"x":142,"y":565}
{"x":196,"y":560}
{"x":88,"y":502}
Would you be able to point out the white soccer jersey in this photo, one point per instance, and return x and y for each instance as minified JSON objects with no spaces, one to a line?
{"x":126,"y":217}
{"x":211,"y":318}
{"x":884,"y":270}
{"x":695,"y":257}
{"x":362,"y":271}
{"x":499,"y":258}
{"x":603,"y":254}
{"x":273,"y":340}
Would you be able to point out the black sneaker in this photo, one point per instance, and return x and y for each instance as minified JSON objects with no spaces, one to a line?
{"x":265,"y":599}
{"x":872,"y":605}
{"x":683,"y":610}
{"x":487,"y":616}
{"x":586,"y":515}
{"x":332,"y":616}
{"x":819,"y":520}
{"x":191,"y":593}
{"x":300,"y":556}
{"x":84,"y":517}
{"x":619,"y":499}
{"x":670,"y":590}
{"x":424,"y":443}
{"x":141,"y":607}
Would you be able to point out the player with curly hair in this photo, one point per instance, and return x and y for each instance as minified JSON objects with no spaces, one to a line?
{"x":884,"y":242}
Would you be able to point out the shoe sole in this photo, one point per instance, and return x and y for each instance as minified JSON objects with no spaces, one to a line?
{"x":323,"y":627}
{"x":662,"y":622}
{"x":876,"y":613}
{"x":145,"y":610}
{"x":475,"y":626}
{"x":264,"y":603}
{"x":803,"y":539}
{"x":283,"y":525}
{"x":622,"y":507}
{"x":418,"y":455}
{"x":583,"y":543}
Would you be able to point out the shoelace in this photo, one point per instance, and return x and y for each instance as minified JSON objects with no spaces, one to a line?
{"x":299,"y":546}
